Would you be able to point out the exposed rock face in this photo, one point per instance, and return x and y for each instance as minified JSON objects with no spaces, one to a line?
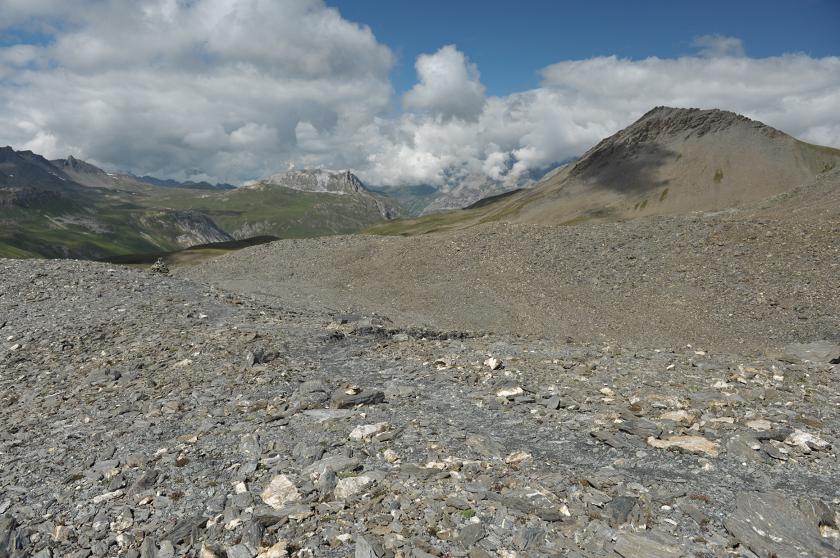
{"x":189,"y":228}
{"x":24,"y":170}
{"x":330,"y":182}
{"x":84,"y":173}
{"x":319,"y":180}
{"x":77,"y":165}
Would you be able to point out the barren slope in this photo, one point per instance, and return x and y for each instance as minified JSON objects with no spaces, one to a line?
{"x":727,"y":280}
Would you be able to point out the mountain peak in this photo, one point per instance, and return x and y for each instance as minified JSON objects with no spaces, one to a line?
{"x":663,"y":120}
{"x":73,"y":164}
{"x":319,"y":180}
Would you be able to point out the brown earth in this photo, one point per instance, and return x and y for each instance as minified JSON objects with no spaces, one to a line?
{"x":737,"y":280}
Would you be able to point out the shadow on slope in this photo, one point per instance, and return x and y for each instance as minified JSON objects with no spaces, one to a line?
{"x":625,"y":167}
{"x":189,"y":256}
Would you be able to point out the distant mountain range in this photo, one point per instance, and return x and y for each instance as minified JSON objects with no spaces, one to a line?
{"x":671,"y":161}
{"x":169,"y":183}
{"x":70,"y":208}
{"x":476,"y":187}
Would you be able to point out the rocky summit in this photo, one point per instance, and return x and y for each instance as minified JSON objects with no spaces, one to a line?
{"x":148,"y":415}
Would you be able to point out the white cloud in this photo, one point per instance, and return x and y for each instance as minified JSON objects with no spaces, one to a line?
{"x":580,"y":102}
{"x":241,"y":88}
{"x":160,"y":86}
{"x":449,"y":85}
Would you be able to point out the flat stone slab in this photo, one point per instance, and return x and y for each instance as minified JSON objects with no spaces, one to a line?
{"x":770,"y":525}
{"x":630,"y":545}
{"x":323,"y":415}
{"x":820,"y":352}
{"x":342,"y":400}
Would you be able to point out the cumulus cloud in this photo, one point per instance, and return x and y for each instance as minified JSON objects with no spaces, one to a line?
{"x":241,"y":88}
{"x":158,"y":86}
{"x":449,"y":85}
{"x":582,"y":101}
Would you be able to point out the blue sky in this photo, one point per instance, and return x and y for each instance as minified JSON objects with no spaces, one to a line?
{"x":511,"y":41}
{"x":401,"y":92}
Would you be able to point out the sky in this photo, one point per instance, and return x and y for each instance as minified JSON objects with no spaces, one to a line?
{"x":399,"y":92}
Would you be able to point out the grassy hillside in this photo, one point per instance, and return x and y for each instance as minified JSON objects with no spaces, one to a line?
{"x":135,"y":218}
{"x":273,"y":211}
{"x":188,"y":256}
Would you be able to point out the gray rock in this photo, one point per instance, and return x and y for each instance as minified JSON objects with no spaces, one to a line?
{"x":630,"y":545}
{"x":368,"y":547}
{"x":528,"y":538}
{"x":471,"y":534}
{"x":148,"y":549}
{"x":821,"y":352}
{"x":7,"y":530}
{"x":166,"y":550}
{"x":184,"y":529}
{"x":240,"y":551}
{"x":770,"y":525}
{"x":641,"y":427}
{"x":342,"y":400}
{"x":333,"y":464}
{"x":144,"y":482}
{"x":249,"y":446}
{"x":620,"y":510}
{"x":484,"y":445}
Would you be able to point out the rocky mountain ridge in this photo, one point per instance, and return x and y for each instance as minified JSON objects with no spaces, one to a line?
{"x":319,"y":180}
{"x":325,"y":181}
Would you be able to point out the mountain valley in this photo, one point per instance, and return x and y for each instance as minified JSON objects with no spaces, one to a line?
{"x":69,"y":208}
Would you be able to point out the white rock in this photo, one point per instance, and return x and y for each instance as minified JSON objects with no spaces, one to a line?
{"x":279,"y":492}
{"x":680,"y":416}
{"x":365,"y":431}
{"x":806,"y":441}
{"x":350,"y":486}
{"x":759,"y":424}
{"x":124,"y":540}
{"x":694,"y":444}
{"x":61,"y":533}
{"x":108,"y":496}
{"x":390,"y":456}
{"x":276,"y":551}
{"x":517,"y":457}
{"x":606,"y":391}
{"x":493,"y":363}
{"x":510,"y":392}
